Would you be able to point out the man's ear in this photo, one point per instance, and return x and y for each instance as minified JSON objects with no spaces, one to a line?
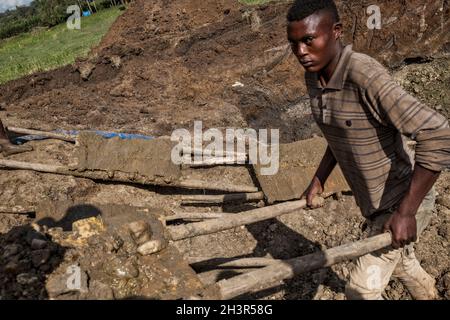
{"x":337,"y":30}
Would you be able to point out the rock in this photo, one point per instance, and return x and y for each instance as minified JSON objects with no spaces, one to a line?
{"x":340,"y":296}
{"x":16,"y":266}
{"x":40,"y":257}
{"x":151,"y":247}
{"x":114,"y":243}
{"x":11,"y":250}
{"x":27,"y":279}
{"x":11,"y":267}
{"x":74,"y":280}
{"x":116,"y":61}
{"x":140,"y":231}
{"x":32,"y":235}
{"x":85,"y":69}
{"x":89,"y":227}
{"x":37,"y":244}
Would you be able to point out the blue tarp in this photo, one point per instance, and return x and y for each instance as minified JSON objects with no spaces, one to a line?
{"x":105,"y":134}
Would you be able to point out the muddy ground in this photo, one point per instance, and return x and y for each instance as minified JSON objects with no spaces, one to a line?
{"x":165,"y":64}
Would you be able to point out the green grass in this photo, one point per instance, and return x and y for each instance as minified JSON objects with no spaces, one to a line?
{"x":48,"y":49}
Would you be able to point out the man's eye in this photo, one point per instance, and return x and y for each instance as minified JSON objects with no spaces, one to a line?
{"x":309,"y":40}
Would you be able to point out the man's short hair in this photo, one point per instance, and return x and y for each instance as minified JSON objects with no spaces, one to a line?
{"x":304,"y":8}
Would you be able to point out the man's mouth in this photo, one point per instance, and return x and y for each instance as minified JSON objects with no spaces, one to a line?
{"x":307,"y":63}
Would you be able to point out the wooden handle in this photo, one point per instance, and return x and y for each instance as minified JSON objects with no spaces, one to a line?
{"x":271,"y":275}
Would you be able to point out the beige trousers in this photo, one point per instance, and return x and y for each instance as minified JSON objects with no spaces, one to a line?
{"x":373,"y":271}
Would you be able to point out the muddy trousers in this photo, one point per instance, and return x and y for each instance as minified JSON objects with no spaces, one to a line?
{"x":373,"y":271}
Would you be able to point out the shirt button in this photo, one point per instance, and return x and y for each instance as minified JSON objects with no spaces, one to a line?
{"x":348,"y":123}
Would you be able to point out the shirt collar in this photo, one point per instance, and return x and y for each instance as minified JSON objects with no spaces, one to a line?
{"x":340,"y":73}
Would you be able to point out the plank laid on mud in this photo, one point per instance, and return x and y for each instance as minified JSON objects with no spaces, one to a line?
{"x":150,"y":158}
{"x":125,"y":177}
{"x":298,"y":164}
{"x":271,"y":275}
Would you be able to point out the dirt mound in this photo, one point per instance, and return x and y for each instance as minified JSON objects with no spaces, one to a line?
{"x":165,"y":63}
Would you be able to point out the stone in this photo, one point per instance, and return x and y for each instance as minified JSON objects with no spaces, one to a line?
{"x":116,"y":61}
{"x":33,"y":234}
{"x":140,"y":231}
{"x":11,"y":267}
{"x":85,"y":70}
{"x":151,"y":247}
{"x":11,"y":250}
{"x":39,"y":257}
{"x":37,"y":244}
{"x":74,"y":280}
{"x":27,"y":279}
{"x":114,"y":243}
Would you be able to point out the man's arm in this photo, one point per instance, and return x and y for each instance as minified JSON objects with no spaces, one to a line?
{"x":403,"y":223}
{"x":397,"y":109}
{"x":317,"y":184}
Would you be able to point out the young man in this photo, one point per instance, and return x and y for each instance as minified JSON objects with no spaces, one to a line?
{"x":363,"y":114}
{"x":6,"y":147}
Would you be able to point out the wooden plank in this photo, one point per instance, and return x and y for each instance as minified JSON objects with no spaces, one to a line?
{"x":298,"y":164}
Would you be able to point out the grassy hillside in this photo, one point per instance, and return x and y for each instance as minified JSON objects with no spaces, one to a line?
{"x":46,"y":49}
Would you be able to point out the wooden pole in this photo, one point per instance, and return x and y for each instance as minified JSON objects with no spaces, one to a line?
{"x":17,"y":210}
{"x":124,"y":177}
{"x":225,"y":154}
{"x":235,"y":220}
{"x":276,"y":272}
{"x":223,"y":198}
{"x":220,"y":263}
{"x":195,"y":215}
{"x":216,"y":162}
{"x":59,"y":136}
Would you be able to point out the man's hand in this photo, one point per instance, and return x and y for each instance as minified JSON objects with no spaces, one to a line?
{"x":403,"y":228}
{"x":315,"y":188}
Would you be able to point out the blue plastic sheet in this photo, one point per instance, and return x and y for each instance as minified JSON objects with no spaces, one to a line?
{"x":105,"y":134}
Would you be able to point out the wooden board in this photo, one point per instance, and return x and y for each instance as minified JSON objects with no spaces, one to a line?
{"x":298,"y":164}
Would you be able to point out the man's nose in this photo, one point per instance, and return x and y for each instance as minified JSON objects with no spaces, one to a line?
{"x":301,"y":50}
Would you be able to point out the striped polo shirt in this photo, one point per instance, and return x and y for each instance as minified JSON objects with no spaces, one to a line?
{"x":364,"y":115}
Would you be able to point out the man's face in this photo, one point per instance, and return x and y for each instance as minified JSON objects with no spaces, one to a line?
{"x":313,"y":40}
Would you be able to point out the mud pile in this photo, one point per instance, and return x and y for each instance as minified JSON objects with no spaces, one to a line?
{"x":165,"y":63}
